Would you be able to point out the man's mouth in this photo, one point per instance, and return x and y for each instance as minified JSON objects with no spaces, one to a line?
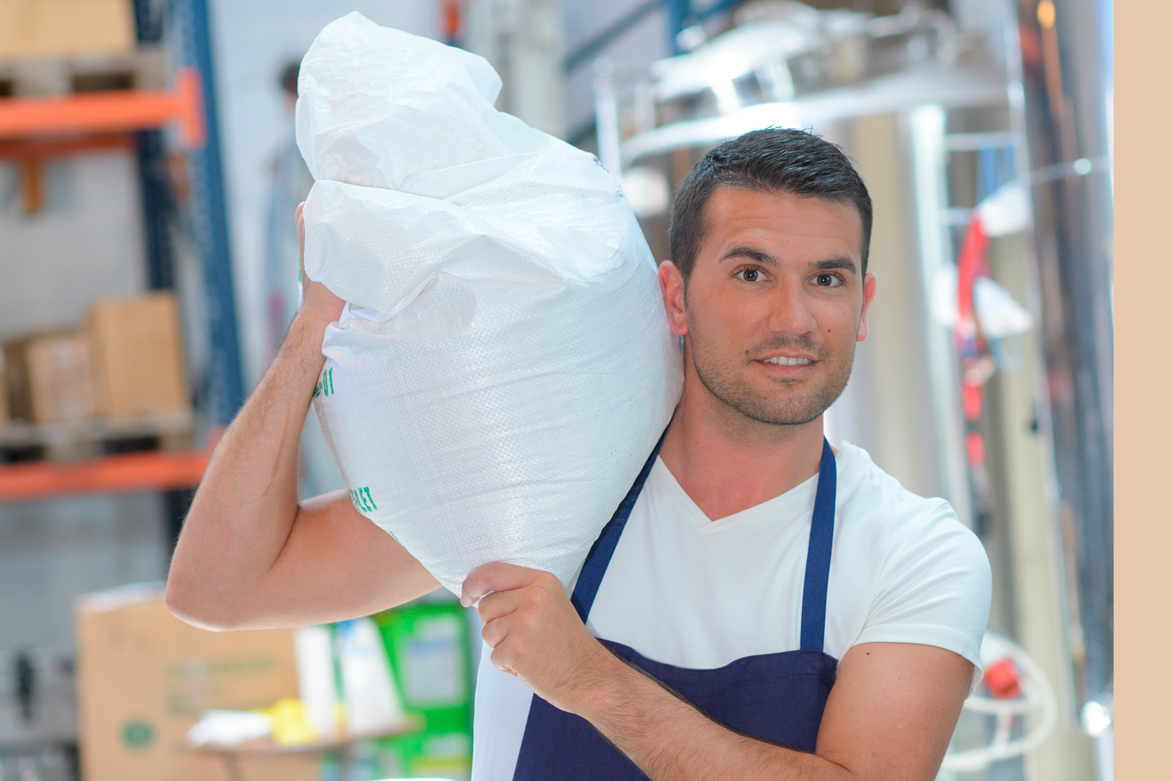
{"x":782,"y":360}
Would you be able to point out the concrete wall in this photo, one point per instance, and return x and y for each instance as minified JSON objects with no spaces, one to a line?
{"x":85,"y":243}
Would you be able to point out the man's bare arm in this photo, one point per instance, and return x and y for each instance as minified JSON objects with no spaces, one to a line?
{"x":249,"y":557}
{"x":889,"y":716}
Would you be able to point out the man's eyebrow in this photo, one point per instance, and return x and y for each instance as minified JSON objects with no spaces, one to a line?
{"x":760,"y":256}
{"x":836,"y":264}
{"x":752,"y":253}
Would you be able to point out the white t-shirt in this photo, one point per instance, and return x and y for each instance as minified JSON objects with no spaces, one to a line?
{"x":691,"y":592}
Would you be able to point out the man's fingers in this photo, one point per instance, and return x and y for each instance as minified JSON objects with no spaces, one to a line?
{"x":495,"y":632}
{"x":496,"y":605}
{"x":496,"y":576}
{"x":500,"y":661}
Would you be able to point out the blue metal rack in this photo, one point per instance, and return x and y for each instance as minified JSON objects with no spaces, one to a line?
{"x":224,"y":391}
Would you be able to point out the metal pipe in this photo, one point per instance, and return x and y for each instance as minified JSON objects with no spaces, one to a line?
{"x":1061,"y":107}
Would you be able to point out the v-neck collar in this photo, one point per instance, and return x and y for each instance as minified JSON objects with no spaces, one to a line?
{"x":797,"y":500}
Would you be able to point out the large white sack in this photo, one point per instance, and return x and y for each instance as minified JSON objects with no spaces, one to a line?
{"x":503,"y":367}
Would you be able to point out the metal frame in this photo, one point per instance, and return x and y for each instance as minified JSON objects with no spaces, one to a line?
{"x":209,"y":220}
{"x":158,"y":206}
{"x":1057,"y":105}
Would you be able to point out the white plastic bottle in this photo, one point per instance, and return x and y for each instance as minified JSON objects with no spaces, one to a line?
{"x":373,"y":705}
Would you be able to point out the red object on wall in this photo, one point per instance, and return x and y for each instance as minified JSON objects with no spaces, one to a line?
{"x":969,"y":266}
{"x":453,"y":20}
{"x":1003,"y":680}
{"x":975,"y":445}
{"x":971,"y":396}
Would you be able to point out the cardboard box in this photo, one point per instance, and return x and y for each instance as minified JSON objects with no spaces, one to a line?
{"x":137,"y":354}
{"x":50,"y":377}
{"x":60,"y":28}
{"x":144,"y":678}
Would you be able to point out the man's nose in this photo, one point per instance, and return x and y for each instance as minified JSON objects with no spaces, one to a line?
{"x":789,"y":311}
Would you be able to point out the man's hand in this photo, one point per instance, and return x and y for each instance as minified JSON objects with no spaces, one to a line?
{"x":318,"y":302}
{"x":536,"y":634}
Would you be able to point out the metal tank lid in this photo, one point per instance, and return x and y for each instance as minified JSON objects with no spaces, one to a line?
{"x":955,"y":87}
{"x":787,"y":64}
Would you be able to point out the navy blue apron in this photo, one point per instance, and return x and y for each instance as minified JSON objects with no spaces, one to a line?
{"x":778,"y":698}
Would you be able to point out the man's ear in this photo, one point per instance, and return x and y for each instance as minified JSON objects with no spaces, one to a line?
{"x":868,"y":297}
{"x":671,"y":284}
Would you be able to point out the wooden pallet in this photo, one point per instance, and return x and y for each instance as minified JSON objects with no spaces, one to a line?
{"x":172,"y":431}
{"x":143,"y":68}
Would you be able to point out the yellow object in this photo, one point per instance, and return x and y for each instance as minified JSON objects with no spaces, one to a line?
{"x":290,"y":725}
{"x":1046,"y":14}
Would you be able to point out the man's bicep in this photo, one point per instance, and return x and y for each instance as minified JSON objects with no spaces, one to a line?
{"x":892,"y":710}
{"x":338,"y":564}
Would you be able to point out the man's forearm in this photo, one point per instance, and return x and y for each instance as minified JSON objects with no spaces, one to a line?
{"x":246,"y":504}
{"x":672,"y":741}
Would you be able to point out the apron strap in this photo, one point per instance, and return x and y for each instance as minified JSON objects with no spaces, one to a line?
{"x":598,"y":559}
{"x":818,"y":554}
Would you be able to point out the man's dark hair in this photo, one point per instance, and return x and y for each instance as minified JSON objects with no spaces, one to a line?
{"x":770,"y":160}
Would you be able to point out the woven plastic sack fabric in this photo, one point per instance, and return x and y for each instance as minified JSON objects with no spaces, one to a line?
{"x":503,"y":366}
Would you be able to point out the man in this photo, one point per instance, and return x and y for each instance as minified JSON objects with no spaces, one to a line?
{"x":815,"y":620}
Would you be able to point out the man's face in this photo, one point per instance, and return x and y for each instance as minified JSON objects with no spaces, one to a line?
{"x":775,"y":304}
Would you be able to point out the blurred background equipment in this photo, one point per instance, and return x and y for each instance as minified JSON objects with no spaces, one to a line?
{"x":147,"y":180}
{"x":1013,"y":689}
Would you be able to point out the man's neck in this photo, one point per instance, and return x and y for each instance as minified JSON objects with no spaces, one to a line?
{"x":728,"y":463}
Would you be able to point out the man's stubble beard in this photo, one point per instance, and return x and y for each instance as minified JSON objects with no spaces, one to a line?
{"x":792,"y":406}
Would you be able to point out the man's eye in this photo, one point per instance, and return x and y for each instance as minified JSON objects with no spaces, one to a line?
{"x":750,"y":275}
{"x":827,"y":280}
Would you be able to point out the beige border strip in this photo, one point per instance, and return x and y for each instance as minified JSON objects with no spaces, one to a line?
{"x":1143,"y":216}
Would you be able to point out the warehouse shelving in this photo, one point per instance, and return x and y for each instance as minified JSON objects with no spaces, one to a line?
{"x":72,"y":468}
{"x":72,"y":440}
{"x":157,"y":470}
{"x":31,"y":130}
{"x":34,"y":127}
{"x":108,"y":111}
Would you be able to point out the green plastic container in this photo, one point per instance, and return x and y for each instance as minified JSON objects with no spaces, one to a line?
{"x":430,"y":647}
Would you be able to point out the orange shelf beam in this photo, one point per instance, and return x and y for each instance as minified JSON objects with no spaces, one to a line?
{"x":109,"y":112}
{"x":40,"y":148}
{"x":154,"y":470}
